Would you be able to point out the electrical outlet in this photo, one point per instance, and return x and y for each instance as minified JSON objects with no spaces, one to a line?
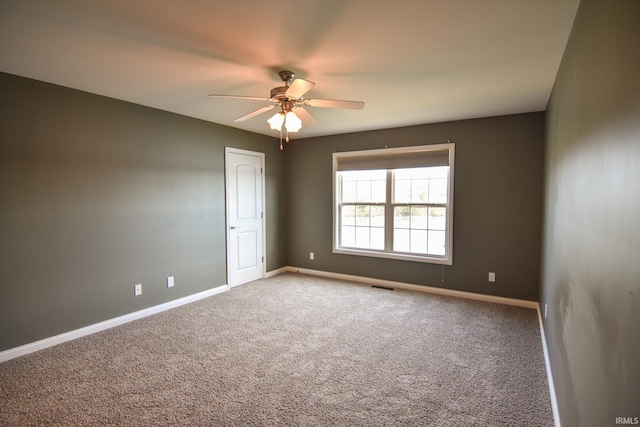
{"x":137,"y":290}
{"x":312,"y":256}
{"x":170,"y":282}
{"x":492,"y":276}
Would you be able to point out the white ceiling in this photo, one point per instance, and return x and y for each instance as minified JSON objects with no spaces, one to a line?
{"x":410,"y":61}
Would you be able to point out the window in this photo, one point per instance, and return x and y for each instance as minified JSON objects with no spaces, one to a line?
{"x":395,"y":203}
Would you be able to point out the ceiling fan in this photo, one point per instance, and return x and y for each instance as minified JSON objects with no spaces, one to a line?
{"x":290,"y":100}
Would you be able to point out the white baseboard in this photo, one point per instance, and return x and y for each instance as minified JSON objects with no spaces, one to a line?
{"x":547,"y":363}
{"x":273,"y":273}
{"x":419,"y":288}
{"x":97,"y":327}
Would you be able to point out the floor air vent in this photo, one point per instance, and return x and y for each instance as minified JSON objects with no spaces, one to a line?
{"x":382,"y":287}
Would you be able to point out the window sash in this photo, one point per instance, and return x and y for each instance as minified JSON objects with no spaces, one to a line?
{"x":363,"y":228}
{"x":388,"y":227}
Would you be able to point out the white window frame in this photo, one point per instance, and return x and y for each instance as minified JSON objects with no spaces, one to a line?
{"x":447,"y":258}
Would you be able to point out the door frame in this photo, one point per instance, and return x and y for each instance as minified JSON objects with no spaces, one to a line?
{"x":233,"y":150}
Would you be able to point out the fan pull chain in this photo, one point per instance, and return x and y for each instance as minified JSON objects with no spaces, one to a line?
{"x":286,"y":129}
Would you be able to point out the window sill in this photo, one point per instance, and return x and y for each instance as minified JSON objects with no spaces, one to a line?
{"x":394,"y":255}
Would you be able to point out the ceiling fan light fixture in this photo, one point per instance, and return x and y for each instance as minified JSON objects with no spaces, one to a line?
{"x":292,"y":122}
{"x":290,"y":98}
{"x":276,"y":121}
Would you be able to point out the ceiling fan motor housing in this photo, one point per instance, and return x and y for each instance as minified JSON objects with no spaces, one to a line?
{"x":278,"y":93}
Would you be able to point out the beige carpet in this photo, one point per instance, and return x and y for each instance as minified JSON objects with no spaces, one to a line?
{"x":293,"y":350}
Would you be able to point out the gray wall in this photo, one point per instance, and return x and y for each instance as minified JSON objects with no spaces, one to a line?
{"x":497,"y":205}
{"x":591,"y":261}
{"x":97,"y":195}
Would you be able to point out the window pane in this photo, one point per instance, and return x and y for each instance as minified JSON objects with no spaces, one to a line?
{"x":402,"y":191}
{"x":438,"y":191}
{"x":439,"y":172}
{"x":419,"y":241}
{"x":438,"y":218}
{"x":348,"y":236}
{"x":362,"y":237}
{"x":348,"y":215}
{"x":371,"y":175}
{"x":348,"y":191}
{"x":363,"y":191}
{"x":402,"y":174}
{"x":401,"y":240}
{"x":377,"y":238}
{"x":436,"y":242}
{"x":402,"y":217}
{"x":420,"y":190}
{"x":377,"y":216}
{"x":419,"y":217}
{"x":348,"y":175}
{"x":378,"y":191}
{"x":363,"y":215}
{"x":421,"y":173}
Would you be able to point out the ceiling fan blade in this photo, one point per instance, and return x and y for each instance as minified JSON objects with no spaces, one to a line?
{"x":304,"y":115}
{"x":298,"y":88}
{"x":254,"y":113}
{"x":334,"y":103}
{"x":250,"y":98}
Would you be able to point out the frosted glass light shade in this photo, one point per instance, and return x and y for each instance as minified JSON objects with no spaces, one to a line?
{"x":276,"y":121}
{"x":292,"y":122}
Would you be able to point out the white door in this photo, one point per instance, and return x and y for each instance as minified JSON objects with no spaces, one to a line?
{"x":245,"y":188}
